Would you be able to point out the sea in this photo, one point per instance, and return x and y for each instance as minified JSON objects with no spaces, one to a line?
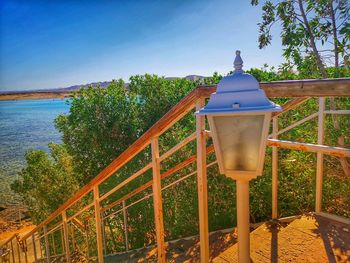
{"x":26,"y":125}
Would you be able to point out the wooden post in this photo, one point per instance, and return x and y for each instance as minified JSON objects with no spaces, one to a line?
{"x":73,"y":236}
{"x":274,"y":170}
{"x":319,"y":167}
{"x":98,"y":224}
{"x":25,"y":248}
{"x":87,"y":240}
{"x":13,"y":252}
{"x":47,"y":248}
{"x":18,"y":252}
{"x":53,"y":243}
{"x":20,"y":217}
{"x":125,"y":227}
{"x":41,"y":250}
{"x":104,"y":236}
{"x":65,"y":235}
{"x":243,"y":221}
{"x":202,"y":184}
{"x":157,"y":201}
{"x":34,"y":249}
{"x":62,"y":240}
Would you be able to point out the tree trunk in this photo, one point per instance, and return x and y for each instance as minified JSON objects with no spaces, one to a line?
{"x":312,"y":42}
{"x":341,"y":141}
{"x":335,"y":36}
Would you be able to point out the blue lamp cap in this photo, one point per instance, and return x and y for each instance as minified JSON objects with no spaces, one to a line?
{"x":238,"y":92}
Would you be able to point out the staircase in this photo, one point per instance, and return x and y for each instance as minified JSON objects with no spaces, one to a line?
{"x":306,"y":239}
{"x":85,"y":215}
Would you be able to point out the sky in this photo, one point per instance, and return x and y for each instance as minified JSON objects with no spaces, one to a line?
{"x":52,"y":44}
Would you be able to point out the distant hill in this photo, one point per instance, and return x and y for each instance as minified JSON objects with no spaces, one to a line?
{"x":102,"y":84}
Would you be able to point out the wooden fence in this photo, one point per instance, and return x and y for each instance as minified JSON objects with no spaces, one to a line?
{"x":58,"y":235}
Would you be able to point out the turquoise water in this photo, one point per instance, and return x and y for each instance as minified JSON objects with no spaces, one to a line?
{"x":24,"y":125}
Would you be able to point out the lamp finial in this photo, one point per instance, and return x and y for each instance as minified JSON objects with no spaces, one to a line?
{"x":238,"y":63}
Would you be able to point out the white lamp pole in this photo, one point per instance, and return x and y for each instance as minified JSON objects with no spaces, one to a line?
{"x":239,"y":115}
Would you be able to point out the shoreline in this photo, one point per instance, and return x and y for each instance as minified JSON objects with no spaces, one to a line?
{"x":35,"y":95}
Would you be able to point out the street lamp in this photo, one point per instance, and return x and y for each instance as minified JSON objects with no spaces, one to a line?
{"x":239,"y":115}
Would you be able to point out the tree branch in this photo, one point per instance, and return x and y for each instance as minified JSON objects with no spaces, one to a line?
{"x":312,"y":41}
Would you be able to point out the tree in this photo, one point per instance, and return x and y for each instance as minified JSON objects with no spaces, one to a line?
{"x":102,"y":123}
{"x":315,"y":34}
{"x":47,"y":181}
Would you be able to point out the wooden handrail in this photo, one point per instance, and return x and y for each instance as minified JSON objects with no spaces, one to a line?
{"x":298,"y":88}
{"x":295,"y":88}
{"x":171,"y":117}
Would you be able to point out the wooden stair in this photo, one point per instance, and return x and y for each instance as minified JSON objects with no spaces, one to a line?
{"x":307,"y":239}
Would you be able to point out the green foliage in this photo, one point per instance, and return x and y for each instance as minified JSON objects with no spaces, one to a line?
{"x":102,"y":123}
{"x":98,"y":119}
{"x":47,"y":181}
{"x":312,"y":31}
{"x":7,"y":196}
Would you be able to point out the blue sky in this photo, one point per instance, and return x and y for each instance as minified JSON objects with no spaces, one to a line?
{"x":51,"y":44}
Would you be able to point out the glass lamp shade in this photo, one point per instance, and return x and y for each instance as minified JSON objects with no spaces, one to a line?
{"x":240,"y":141}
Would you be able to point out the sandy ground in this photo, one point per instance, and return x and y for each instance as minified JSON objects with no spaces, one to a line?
{"x":308,"y":239}
{"x":35,"y":95}
{"x":5,"y":235}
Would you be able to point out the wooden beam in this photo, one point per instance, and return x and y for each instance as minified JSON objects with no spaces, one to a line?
{"x":157,"y":201}
{"x":310,"y":117}
{"x":345,"y":112}
{"x":308,"y":147}
{"x":178,"y":146}
{"x":85,"y":208}
{"x":171,"y":171}
{"x":308,"y":87}
{"x":163,"y":188}
{"x":297,"y":88}
{"x":127,"y":180}
{"x":202,"y":185}
{"x":290,"y":105}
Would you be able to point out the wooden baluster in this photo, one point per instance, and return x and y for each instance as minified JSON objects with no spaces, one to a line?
{"x":98,"y":224}
{"x":13,"y":252}
{"x":202,"y":184}
{"x":125,"y":227}
{"x":25,"y":248}
{"x":41,"y":250}
{"x":66,"y":236}
{"x":319,"y":167}
{"x":34,"y":249}
{"x":274,"y":170}
{"x":73,"y":236}
{"x":157,"y":201}
{"x":87,"y":240}
{"x":104,"y":236}
{"x":18,"y":252}
{"x":53,"y":243}
{"x":47,"y":248}
{"x":62,"y":241}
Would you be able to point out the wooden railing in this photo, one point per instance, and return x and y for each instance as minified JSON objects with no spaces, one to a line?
{"x":63,"y":224}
